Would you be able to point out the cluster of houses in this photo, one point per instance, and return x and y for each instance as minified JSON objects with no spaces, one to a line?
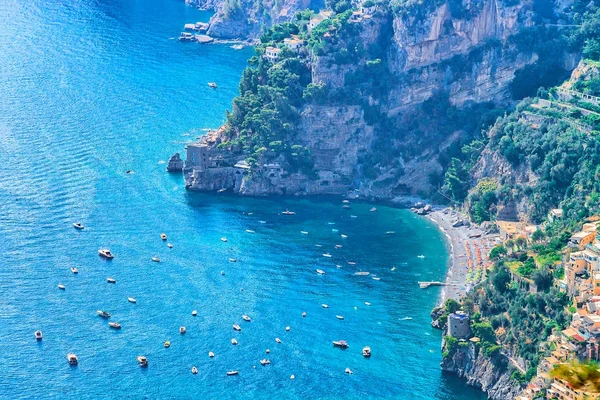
{"x":581,"y":340}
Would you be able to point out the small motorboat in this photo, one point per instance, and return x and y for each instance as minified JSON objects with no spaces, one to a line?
{"x":194,"y":313}
{"x":230,"y":373}
{"x":390,"y":232}
{"x":367,"y":303}
{"x":111,"y":280}
{"x":393,"y":269}
{"x":320,"y":272}
{"x":265,"y":361}
{"x":304,"y":232}
{"x":338,"y":266}
{"x":353,"y":216}
{"x":362,"y":273}
{"x":74,"y":270}
{"x":421,"y":256}
{"x":287,"y":328}
{"x":338,"y":246}
{"x":327,"y":255}
{"x":131,"y":300}
{"x":212,"y":85}
{"x":351,"y":263}
{"x":182,"y":329}
{"x":346,"y":206}
{"x":61,"y":286}
{"x":38,"y":335}
{"x":277,"y":340}
{"x":103,"y":314}
{"x":292,"y":377}
{"x":346,"y":201}
{"x":237,"y":46}
{"x":373,"y":209}
{"x":376,"y":278}
{"x":106,"y":254}
{"x":344,"y":236}
{"x":304,"y":314}
{"x":163,"y":236}
{"x":114,"y":325}
{"x":250,"y":231}
{"x":194,"y":370}
{"x":324,"y":306}
{"x":348,"y":371}
{"x":142,"y":361}
{"x":233,"y":260}
{"x":340,"y":343}
{"x":167,"y":344}
{"x":211,"y":354}
{"x":223,"y":239}
{"x":246,"y":318}
{"x":156,"y":259}
{"x":78,"y":225}
{"x":129,"y":171}
{"x":237,"y":327}
{"x":72,"y":359}
{"x":288,"y":212}
{"x":222,"y":272}
{"x":366,"y":351}
{"x":263,"y":222}
{"x":221,"y":190}
{"x":169,"y":245}
{"x":339,"y":317}
{"x":267,"y":351}
{"x":234,"y":342}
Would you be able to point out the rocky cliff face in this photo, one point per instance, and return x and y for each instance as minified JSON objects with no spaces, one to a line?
{"x":488,"y":374}
{"x":428,"y":58}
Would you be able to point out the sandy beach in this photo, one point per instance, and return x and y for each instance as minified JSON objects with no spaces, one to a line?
{"x":469,"y":250}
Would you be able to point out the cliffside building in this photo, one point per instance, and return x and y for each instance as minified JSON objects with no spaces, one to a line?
{"x":458,"y":325}
{"x":272,"y":53}
{"x":294,"y":43}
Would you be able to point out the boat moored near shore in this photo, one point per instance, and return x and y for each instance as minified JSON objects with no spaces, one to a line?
{"x":78,"y":225}
{"x":142,"y":361}
{"x":38,"y":335}
{"x":106,"y":253}
{"x":72,"y":359}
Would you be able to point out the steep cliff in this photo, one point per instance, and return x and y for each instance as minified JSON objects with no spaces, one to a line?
{"x":490,"y":374}
{"x":379,"y":97}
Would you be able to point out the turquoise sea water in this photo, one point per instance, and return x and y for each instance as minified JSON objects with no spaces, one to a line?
{"x":92,"y":88}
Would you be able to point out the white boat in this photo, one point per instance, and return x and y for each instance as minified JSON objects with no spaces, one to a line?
{"x":353,"y":216}
{"x":339,"y":317}
{"x":362,"y":273}
{"x":221,"y":190}
{"x":234,"y":342}
{"x":182,"y":329}
{"x":194,"y":313}
{"x":38,"y":335}
{"x":327,"y":255}
{"x":74,"y":270}
{"x":348,"y":371}
{"x":346,"y":201}
{"x":230,"y":373}
{"x":277,"y":340}
{"x":373,"y":209}
{"x":212,"y":85}
{"x":61,"y":286}
{"x":320,"y":272}
{"x":344,"y":236}
{"x":304,"y":314}
{"x":304,"y":232}
{"x":334,"y":230}
{"x":249,"y":231}
{"x":331,"y":223}
{"x":421,"y":256}
{"x":155,"y":259}
{"x":142,"y":361}
{"x":223,"y":239}
{"x":340,"y":343}
{"x":163,"y":236}
{"x":78,"y":225}
{"x":324,"y":306}
{"x":390,"y":232}
{"x":169,"y":245}
{"x":103,"y":314}
{"x":111,"y":280}
{"x":237,"y":46}
{"x":292,"y":377}
{"x":106,"y":254}
{"x":288,"y":212}
{"x":376,"y":278}
{"x":351,"y":263}
{"x":233,"y":260}
{"x":263,"y":222}
{"x":237,"y":327}
{"x":393,"y":269}
{"x":265,"y":361}
{"x":114,"y":325}
{"x":246,"y":318}
{"x":131,"y":300}
{"x":211,"y":354}
{"x":194,"y":370}
{"x":338,"y":246}
{"x":346,"y":206}
{"x":72,"y":359}
{"x":287,"y":328}
{"x":167,"y":344}
{"x":366,"y":351}
{"x":367,"y":303}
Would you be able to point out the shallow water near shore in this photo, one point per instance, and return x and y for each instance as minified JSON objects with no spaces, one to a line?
{"x":90,"y":89}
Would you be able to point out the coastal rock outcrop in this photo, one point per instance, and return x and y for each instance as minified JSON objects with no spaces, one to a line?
{"x":490,"y":374}
{"x":175,"y":163}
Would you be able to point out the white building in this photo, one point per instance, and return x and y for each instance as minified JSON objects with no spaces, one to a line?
{"x":272,"y":53}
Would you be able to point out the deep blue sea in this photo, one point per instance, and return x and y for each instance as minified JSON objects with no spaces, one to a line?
{"x":92,"y":88}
